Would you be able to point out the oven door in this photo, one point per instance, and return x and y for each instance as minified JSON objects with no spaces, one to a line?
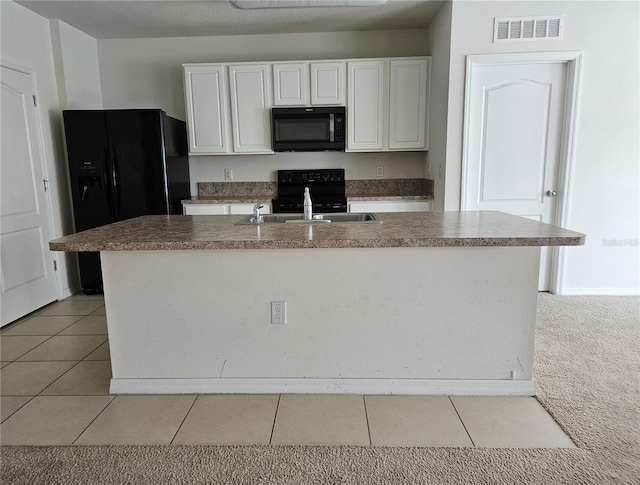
{"x":307,"y":129}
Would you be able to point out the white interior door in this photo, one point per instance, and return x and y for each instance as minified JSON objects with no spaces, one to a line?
{"x":513,"y":142}
{"x":27,"y":281}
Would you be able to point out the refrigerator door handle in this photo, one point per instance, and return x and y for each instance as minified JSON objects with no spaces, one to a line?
{"x":116,"y":188}
{"x":112,"y":169}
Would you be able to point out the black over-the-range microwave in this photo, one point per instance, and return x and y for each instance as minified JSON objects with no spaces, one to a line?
{"x":308,"y":129}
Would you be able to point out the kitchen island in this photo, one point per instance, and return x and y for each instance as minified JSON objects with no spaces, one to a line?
{"x":413,"y":303}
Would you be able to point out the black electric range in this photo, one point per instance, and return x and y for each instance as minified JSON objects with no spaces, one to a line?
{"x":327,"y":188}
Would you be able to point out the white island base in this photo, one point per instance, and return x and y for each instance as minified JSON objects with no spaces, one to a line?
{"x":435,"y":320}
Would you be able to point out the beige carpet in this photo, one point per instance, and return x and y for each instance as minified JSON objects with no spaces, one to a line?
{"x":588,"y":374}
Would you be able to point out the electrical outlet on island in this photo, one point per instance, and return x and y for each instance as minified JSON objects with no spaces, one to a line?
{"x":279,"y":312}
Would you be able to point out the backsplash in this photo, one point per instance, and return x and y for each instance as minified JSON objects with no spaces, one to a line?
{"x":354,"y":188}
{"x":389,"y":187}
{"x":268,"y":190}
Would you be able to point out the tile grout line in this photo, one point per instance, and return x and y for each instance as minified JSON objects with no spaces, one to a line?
{"x":366,"y":417}
{"x":460,"y":418}
{"x":184,"y":419}
{"x":22,"y":355}
{"x":275,"y":416}
{"x":94,"y":419}
{"x":72,"y":367}
{"x":31,"y":398}
{"x":39,"y":316}
{"x":60,"y":376}
{"x":78,"y":362}
{"x":38,"y":313}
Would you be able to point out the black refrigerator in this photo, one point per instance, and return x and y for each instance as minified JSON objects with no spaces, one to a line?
{"x":123,"y":164}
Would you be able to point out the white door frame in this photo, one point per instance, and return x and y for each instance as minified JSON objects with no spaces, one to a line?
{"x":573,"y":60}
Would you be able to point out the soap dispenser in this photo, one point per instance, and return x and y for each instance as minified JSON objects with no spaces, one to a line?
{"x":308,"y":206}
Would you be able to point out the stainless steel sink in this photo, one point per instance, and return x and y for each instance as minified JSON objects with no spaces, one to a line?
{"x":318,"y":218}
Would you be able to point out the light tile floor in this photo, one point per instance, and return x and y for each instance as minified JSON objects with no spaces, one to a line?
{"x":54,"y":390}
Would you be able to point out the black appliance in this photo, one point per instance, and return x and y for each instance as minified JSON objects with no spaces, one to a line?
{"x":123,"y":164}
{"x":327,"y":188}
{"x":308,"y":129}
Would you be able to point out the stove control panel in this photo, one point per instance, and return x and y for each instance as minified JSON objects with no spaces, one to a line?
{"x":290,"y":177}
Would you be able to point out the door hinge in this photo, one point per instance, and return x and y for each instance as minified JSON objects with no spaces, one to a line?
{"x":45,"y":182}
{"x":35,"y":103}
{"x":55,"y":265}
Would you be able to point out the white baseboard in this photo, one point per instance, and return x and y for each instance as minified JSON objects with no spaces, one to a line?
{"x":449,"y":387}
{"x":67,"y":292}
{"x":599,"y":292}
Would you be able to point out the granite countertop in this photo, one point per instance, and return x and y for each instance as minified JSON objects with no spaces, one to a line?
{"x":393,"y":229}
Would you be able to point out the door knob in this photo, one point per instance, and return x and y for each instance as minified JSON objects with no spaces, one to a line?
{"x":551,"y":193}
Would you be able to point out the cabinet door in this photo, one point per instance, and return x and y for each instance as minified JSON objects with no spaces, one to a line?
{"x":248,"y":208}
{"x":205,"y":209}
{"x":250,"y":108}
{"x":408,"y":91}
{"x":290,"y":84}
{"x":391,"y":206}
{"x":207,"y":109}
{"x":365,"y":113}
{"x":327,"y":83}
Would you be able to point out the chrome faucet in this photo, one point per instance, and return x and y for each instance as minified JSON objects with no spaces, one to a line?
{"x":256,"y":212}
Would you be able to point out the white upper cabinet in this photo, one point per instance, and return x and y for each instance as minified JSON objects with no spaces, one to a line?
{"x":250,"y":91}
{"x":206,"y":98}
{"x":388,"y":100}
{"x":318,"y":83}
{"x":290,"y":84}
{"x":408,"y":95}
{"x":229,"y":105}
{"x":327,"y":83}
{"x":365,"y":109}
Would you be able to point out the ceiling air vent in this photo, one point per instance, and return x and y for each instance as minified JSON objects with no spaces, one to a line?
{"x":515,"y":29}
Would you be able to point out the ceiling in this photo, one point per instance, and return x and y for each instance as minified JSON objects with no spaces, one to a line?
{"x":118,"y":19}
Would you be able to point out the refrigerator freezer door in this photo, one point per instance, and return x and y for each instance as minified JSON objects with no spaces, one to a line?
{"x":89,"y":166}
{"x":87,"y":150}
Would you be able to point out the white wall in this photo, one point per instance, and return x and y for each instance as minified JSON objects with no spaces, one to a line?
{"x":605,"y":182}
{"x":77,"y":70}
{"x":381,"y":323}
{"x":146,"y":73}
{"x":439,"y":40}
{"x":26,"y":41}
